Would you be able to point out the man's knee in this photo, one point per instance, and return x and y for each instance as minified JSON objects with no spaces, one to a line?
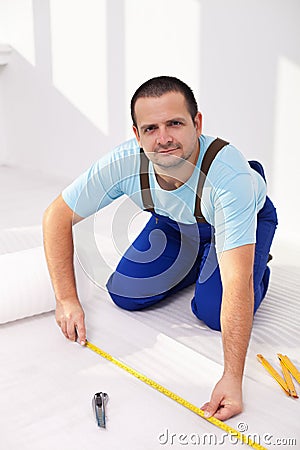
{"x":206,"y":304}
{"x":130,"y":304}
{"x":131,"y":298}
{"x":211,"y":318}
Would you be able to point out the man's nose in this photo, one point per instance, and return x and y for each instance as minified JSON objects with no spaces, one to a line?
{"x":163,"y":136}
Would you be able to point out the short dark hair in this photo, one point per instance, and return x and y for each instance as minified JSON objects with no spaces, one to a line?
{"x":156,"y":87}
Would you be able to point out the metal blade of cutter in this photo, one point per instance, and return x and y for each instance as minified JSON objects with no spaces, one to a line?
{"x":99,"y":401}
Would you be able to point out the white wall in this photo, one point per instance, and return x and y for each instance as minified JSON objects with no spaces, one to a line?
{"x":250,"y":83}
{"x":43,"y":129}
{"x":163,"y":37}
{"x":66,"y":92}
{"x":3,"y":147}
{"x":241,"y":57}
{"x":17,"y":27}
{"x":97,"y":58}
{"x":286,"y":148}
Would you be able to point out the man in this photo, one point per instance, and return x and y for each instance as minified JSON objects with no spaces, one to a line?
{"x":215,"y":231}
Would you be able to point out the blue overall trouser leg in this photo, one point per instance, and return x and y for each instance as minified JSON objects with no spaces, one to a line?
{"x":163,"y":259}
{"x":166,"y":257}
{"x":206,"y":304}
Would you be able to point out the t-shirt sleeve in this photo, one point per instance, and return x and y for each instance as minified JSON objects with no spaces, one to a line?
{"x":235,"y":213}
{"x":234,"y":195}
{"x":94,"y":189}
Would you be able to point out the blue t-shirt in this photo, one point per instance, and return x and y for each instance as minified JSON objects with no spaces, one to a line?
{"x":233,"y":193}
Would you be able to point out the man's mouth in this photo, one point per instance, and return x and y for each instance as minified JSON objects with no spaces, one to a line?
{"x":167,"y":150}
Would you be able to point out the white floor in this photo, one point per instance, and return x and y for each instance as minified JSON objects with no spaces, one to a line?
{"x":47,"y":383}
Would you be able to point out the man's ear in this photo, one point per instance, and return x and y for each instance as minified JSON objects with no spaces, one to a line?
{"x":136,"y":133}
{"x":198,"y":123}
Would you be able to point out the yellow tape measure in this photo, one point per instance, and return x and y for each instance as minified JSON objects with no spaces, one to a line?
{"x":229,"y":430}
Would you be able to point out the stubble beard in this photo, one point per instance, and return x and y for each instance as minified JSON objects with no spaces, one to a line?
{"x":169,"y":161}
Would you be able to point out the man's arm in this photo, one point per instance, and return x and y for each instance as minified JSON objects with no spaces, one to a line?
{"x":236,"y":267}
{"x":59,"y":250}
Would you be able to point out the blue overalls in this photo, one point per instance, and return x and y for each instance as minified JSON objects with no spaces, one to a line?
{"x":168,"y":256}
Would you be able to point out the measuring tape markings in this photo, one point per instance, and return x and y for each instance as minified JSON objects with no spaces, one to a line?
{"x":222,"y":425}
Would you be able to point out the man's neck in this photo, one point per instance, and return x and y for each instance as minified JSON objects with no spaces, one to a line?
{"x":170,"y":178}
{"x":167,"y":182}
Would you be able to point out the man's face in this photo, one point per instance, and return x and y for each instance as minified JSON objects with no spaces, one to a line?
{"x":166,"y":131}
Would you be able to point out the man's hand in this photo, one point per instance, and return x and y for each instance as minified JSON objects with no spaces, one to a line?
{"x":70,"y":317}
{"x":226,"y":399}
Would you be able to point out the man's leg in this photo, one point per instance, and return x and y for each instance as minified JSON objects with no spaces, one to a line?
{"x":161,"y":261}
{"x":266,"y":226}
{"x":206,"y":304}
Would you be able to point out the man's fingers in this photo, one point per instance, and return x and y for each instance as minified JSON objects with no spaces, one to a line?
{"x":219,"y":411}
{"x":71,"y":331}
{"x":74,"y":330}
{"x":70,"y":317}
{"x":63,"y":327}
{"x":210,"y":408}
{"x":81,"y":331}
{"x":205,"y":406}
{"x":226,"y":399}
{"x":223,"y":414}
{"x":226,"y":412}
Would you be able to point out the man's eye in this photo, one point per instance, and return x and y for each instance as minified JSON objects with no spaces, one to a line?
{"x":149,"y":129}
{"x":176,"y":123}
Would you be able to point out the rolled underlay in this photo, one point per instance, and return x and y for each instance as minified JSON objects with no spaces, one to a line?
{"x":25,"y":285}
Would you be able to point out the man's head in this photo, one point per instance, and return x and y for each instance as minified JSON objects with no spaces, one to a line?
{"x":167,"y":123}
{"x":156,"y":87}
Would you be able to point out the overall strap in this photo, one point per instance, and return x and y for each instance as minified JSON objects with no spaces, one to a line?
{"x":144,"y":181}
{"x":209,"y":156}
